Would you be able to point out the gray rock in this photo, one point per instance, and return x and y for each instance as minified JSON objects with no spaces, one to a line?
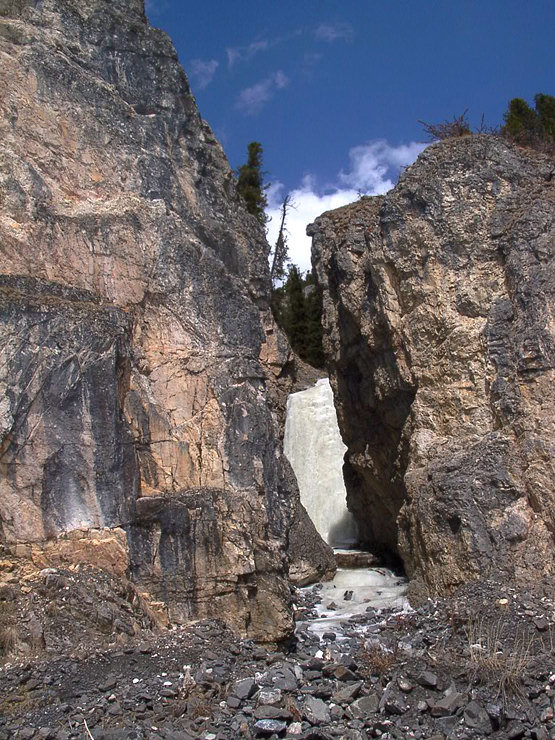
{"x":269,"y":696}
{"x":395,"y":704}
{"x":365,"y":706}
{"x":427,"y":679}
{"x":405,"y":685}
{"x":269,"y":712}
{"x":440,"y":353}
{"x":282,"y":677}
{"x":447,"y":705}
{"x":346,"y":694}
{"x":245,"y":688}
{"x":269,"y":726}
{"x":316,"y":711}
{"x":476,"y":717}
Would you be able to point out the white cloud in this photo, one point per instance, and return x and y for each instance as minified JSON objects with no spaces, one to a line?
{"x":334,"y":31}
{"x":251,"y":99}
{"x":202,"y":71}
{"x":245,"y":53}
{"x":374,"y":168}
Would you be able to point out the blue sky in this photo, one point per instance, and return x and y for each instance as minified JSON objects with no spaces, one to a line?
{"x":334,"y":90}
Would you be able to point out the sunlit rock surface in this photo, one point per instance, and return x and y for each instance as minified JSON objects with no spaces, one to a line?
{"x":439,"y":335}
{"x":141,"y":374}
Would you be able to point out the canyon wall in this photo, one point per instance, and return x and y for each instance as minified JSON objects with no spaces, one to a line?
{"x":141,"y":374}
{"x":439,"y":334}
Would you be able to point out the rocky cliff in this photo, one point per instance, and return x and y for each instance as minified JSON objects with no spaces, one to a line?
{"x":438,"y":312}
{"x":141,"y":374}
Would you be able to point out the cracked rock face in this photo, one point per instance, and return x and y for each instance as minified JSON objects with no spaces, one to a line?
{"x":140,"y":369}
{"x":438,"y":311}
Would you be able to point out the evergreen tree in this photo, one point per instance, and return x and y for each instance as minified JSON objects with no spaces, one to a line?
{"x":521,"y":120}
{"x":545,"y":106}
{"x":531,"y":127}
{"x":280,"y":258}
{"x":297,"y":308}
{"x":294,"y":314}
{"x":314,"y":352}
{"x":250,"y":182}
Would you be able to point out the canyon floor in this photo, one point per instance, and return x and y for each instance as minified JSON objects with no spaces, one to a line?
{"x":85,"y":656}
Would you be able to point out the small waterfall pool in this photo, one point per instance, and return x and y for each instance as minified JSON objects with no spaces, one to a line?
{"x":315,"y":450}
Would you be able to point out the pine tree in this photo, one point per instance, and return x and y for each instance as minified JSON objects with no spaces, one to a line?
{"x":521,"y":120}
{"x":250,"y":182}
{"x":531,"y":127}
{"x":295,"y":311}
{"x":545,"y":106}
{"x":314,"y":353}
{"x":280,"y":258}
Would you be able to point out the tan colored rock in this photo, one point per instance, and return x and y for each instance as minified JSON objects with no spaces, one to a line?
{"x":135,"y":323}
{"x":438,"y":312}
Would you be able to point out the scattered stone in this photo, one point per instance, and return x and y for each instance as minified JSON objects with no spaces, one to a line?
{"x":316,"y":711}
{"x":477,"y":717}
{"x":269,"y":726}
{"x":395,"y":705}
{"x":515,"y":731}
{"x":342,"y":673}
{"x":448,"y":705}
{"x":364,"y":706}
{"x":541,"y":623}
{"x":346,"y":694}
{"x":269,"y":696}
{"x":245,"y":688}
{"x":427,"y":679}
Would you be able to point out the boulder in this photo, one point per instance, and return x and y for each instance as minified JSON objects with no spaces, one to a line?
{"x":438,"y":331}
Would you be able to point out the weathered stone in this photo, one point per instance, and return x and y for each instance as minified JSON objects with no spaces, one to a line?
{"x":447,"y":705}
{"x":427,"y":679}
{"x":245,"y":688}
{"x":316,"y":711}
{"x":282,"y":677}
{"x":270,"y":712}
{"x":346,"y":694}
{"x":476,"y":717}
{"x":142,"y":379}
{"x":395,"y":704}
{"x":437,"y":303}
{"x":269,"y":726}
{"x":365,"y":705}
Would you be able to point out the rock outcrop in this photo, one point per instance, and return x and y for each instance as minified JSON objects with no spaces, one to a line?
{"x":438,"y":313}
{"x":140,"y":369}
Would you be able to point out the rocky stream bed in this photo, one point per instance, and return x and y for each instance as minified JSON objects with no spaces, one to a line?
{"x":480,"y":664}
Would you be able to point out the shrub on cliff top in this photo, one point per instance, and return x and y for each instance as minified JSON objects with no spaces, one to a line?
{"x":526,"y":126}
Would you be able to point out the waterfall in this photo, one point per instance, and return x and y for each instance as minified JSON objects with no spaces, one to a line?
{"x":315,"y":450}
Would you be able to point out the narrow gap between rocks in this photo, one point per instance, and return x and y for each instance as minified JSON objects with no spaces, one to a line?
{"x":314,"y":447}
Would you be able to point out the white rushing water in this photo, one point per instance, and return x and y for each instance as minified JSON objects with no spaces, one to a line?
{"x":315,"y":450}
{"x":352,"y":592}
